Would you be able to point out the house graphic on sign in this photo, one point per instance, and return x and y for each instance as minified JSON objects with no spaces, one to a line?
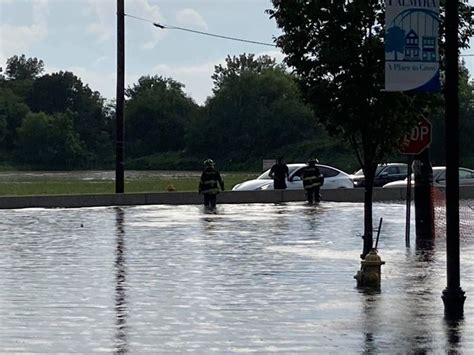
{"x":429,"y":49}
{"x":407,"y":40}
{"x":412,"y":49}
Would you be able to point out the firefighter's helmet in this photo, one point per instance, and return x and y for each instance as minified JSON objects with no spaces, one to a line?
{"x":209,"y":162}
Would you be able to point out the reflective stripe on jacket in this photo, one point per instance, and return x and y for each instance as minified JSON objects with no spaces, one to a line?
{"x":210,"y":179}
{"x":312,"y":178}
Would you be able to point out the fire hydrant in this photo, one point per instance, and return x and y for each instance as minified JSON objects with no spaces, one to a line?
{"x":370,"y":270}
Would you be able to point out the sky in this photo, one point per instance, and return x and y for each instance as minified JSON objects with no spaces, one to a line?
{"x":80,"y":36}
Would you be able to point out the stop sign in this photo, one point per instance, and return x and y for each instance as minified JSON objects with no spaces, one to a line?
{"x":418,"y":139}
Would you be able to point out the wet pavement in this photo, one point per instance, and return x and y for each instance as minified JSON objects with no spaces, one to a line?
{"x":250,"y":278}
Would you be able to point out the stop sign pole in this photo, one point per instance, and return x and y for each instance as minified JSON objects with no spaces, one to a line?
{"x":415,"y":145}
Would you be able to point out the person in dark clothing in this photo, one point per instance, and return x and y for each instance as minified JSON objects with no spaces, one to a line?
{"x":279,"y":174}
{"x":312,"y":181}
{"x":209,"y":184}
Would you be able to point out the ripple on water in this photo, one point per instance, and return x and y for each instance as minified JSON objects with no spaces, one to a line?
{"x":250,"y":278}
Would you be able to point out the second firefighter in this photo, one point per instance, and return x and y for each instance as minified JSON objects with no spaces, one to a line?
{"x":312,"y":181}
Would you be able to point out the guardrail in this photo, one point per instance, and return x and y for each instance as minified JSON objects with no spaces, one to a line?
{"x":193,"y":198}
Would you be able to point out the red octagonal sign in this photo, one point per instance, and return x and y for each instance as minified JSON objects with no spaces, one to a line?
{"x":418,"y":139}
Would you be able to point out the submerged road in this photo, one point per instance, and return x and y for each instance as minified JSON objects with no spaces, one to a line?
{"x":258,"y":278}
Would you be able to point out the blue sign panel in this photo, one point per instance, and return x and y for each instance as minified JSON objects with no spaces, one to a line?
{"x":411,"y":45}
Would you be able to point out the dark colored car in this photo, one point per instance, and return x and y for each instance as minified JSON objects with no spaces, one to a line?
{"x":384,"y":174}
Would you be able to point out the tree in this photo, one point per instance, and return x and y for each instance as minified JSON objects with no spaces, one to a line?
{"x":395,"y":40}
{"x":234,"y":66}
{"x":336,"y":49}
{"x":466,"y":116}
{"x":62,"y":91}
{"x":258,"y":104}
{"x":21,"y":68}
{"x":49,"y":140}
{"x":12,"y":113}
{"x":466,"y":123}
{"x":157,"y":113}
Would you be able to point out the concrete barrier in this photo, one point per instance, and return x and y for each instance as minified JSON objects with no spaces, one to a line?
{"x":193,"y":198}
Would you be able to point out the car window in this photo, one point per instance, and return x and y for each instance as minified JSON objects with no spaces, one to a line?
{"x":465,"y":174}
{"x":298,"y":173}
{"x":403,"y":169}
{"x":392,"y":170}
{"x":328,"y":172}
{"x":441,"y":176}
{"x":266,"y":174}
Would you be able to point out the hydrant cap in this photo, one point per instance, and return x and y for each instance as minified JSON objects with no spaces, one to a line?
{"x":372,"y":258}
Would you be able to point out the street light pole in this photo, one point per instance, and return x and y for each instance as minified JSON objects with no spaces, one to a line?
{"x":453,"y":296}
{"x":119,"y":121}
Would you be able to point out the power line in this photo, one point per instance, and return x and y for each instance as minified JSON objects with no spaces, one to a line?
{"x":170,"y":27}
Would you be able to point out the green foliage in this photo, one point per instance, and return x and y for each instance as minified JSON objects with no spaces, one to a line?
{"x":466,"y":117}
{"x":59,"y":92}
{"x":257,"y":112}
{"x":156,"y":116}
{"x":12,"y":113}
{"x":257,"y":107}
{"x":49,"y":140}
{"x":235,"y":66}
{"x":466,"y":124}
{"x":337,"y":51}
{"x":21,"y":68}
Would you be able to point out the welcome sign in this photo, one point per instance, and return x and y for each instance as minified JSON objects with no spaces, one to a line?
{"x":411,"y":45}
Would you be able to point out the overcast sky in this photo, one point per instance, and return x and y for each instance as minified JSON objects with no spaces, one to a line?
{"x":80,"y":36}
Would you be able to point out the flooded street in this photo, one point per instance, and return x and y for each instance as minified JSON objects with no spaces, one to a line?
{"x":251,"y":278}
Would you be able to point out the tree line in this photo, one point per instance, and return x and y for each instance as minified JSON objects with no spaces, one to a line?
{"x":55,"y":121}
{"x":256,"y":111}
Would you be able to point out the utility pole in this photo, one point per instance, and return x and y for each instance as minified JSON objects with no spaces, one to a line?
{"x":119,"y":121}
{"x":453,"y":296}
{"x":424,"y":210}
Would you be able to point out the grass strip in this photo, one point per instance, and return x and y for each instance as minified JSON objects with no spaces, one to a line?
{"x":40,"y":186}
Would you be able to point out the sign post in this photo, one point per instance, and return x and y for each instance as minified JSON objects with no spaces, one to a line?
{"x":415,"y":143}
{"x":453,"y":295}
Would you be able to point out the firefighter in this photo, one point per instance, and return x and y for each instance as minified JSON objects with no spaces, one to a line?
{"x":209,"y":184}
{"x":312,"y":181}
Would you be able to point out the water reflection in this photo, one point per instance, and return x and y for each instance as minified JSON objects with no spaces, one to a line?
{"x":258,"y":278}
{"x":312,"y":214}
{"x":425,"y":244}
{"x":371,"y":314}
{"x":422,"y":292}
{"x":453,"y":329}
{"x":121,"y":311}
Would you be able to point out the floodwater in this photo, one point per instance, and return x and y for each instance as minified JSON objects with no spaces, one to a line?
{"x":251,"y":278}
